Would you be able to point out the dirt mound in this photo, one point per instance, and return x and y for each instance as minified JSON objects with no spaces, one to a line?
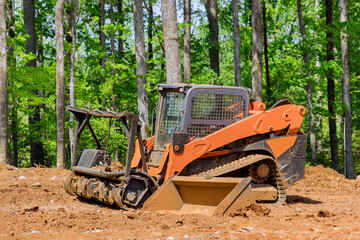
{"x":321,"y":176}
{"x":34,"y":205}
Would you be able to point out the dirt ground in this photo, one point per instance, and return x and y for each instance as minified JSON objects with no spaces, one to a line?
{"x":34,"y":205}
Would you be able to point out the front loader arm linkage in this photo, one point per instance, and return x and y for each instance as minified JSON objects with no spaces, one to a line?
{"x":83,"y":120}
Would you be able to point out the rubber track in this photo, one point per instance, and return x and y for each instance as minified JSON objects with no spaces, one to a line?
{"x":246,"y":161}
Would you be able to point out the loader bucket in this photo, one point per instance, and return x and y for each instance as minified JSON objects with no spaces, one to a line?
{"x":209,"y":196}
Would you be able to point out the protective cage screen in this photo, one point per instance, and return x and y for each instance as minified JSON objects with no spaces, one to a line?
{"x":210,"y":112}
{"x":173,"y":112}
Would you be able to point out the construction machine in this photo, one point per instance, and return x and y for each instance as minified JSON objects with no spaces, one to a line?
{"x":214,"y":149}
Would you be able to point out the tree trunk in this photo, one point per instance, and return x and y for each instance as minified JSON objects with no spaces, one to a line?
{"x":151,"y":18}
{"x":12,"y":28}
{"x":150,"y":35}
{"x":40,"y":48}
{"x":102,"y":34}
{"x":247,"y":6}
{"x":348,"y":154}
{"x":4,"y":158}
{"x":29,"y":26}
{"x":112,"y":37}
{"x":171,"y":41}
{"x":308,"y":85}
{"x":248,"y":50}
{"x":331,"y":85}
{"x":187,"y":40}
{"x":60,"y":84}
{"x":142,"y":98}
{"x":112,"y":50}
{"x":113,"y":94}
{"x":36,"y":147}
{"x":14,"y":131}
{"x":72,"y":23}
{"x":319,"y":94}
{"x":40,"y":63}
{"x":317,"y":4}
{"x":236,"y":33}
{"x":212,"y":11}
{"x":42,"y":115}
{"x":13,"y":104}
{"x":257,"y":85}
{"x":267,"y":71}
{"x":121,"y":22}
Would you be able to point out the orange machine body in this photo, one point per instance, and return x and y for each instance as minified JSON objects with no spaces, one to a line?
{"x":282,"y":123}
{"x":215,"y":148}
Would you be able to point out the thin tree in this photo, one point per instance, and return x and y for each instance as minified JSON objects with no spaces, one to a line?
{"x":112,"y":51}
{"x":151,"y":27}
{"x":267,"y":70}
{"x":4,"y":158}
{"x":308,"y":85}
{"x":102,"y":34}
{"x":60,"y":84}
{"x":142,"y":97}
{"x":36,"y":147}
{"x":121,"y":22}
{"x":348,"y":154}
{"x":12,"y":28}
{"x":187,"y":40}
{"x":331,"y":85}
{"x":40,"y":63}
{"x":236,"y":33}
{"x":150,"y":35}
{"x":257,"y":85}
{"x":40,"y":47}
{"x":171,"y":41}
{"x":13,"y":102}
{"x":212,"y":12}
{"x":14,"y":131}
{"x":112,"y":36}
{"x":71,"y":19}
{"x":113,"y":94}
{"x":320,"y":93}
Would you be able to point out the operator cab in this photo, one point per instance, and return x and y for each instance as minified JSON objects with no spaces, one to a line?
{"x":196,"y":111}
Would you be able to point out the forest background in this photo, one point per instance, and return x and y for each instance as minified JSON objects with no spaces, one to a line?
{"x":300,"y":46}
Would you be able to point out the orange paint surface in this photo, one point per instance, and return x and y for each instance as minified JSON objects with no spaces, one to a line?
{"x":280,"y":145}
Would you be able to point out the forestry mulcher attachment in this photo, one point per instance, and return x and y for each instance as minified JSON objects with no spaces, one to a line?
{"x":214,"y":149}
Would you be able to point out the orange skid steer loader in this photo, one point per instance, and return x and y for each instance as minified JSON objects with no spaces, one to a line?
{"x":214,"y":149}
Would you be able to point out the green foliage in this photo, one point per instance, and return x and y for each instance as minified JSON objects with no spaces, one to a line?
{"x":95,"y":87}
